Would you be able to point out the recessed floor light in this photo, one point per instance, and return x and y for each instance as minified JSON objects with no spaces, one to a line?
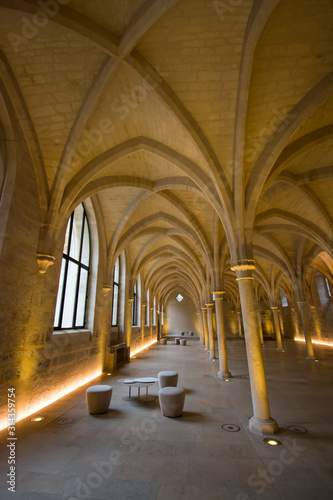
{"x":109,"y":374}
{"x":272,"y":442}
{"x":37,"y":419}
{"x":226,"y":380}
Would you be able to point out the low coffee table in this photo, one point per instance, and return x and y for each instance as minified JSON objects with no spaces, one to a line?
{"x":139,"y":382}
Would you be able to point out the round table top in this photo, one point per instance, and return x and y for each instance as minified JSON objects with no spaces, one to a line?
{"x":145,"y":380}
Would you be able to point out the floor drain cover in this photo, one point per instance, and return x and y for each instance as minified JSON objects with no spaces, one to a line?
{"x":230,"y":427}
{"x":297,"y":429}
{"x":63,"y":421}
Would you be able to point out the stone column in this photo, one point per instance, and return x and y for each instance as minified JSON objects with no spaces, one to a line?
{"x":276,"y":319}
{"x":261,"y":421}
{"x":280,"y":311}
{"x":223,"y":360}
{"x":261,"y":335}
{"x":205,"y":327}
{"x":199,"y":316}
{"x":294,"y":319}
{"x":239,"y":323}
{"x":316,"y":322}
{"x":129,"y":321}
{"x":304,"y":311}
{"x":212,"y":356}
{"x":162,"y":322}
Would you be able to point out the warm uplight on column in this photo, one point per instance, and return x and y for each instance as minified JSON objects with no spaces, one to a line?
{"x":142,"y":348}
{"x":24,"y":412}
{"x":319,"y":342}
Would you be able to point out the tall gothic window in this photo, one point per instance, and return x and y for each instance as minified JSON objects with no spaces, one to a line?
{"x":115,"y":302}
{"x":134,"y":306}
{"x":74,"y":274}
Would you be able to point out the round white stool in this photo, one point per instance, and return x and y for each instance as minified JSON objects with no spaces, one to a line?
{"x":98,"y":398}
{"x":172,"y":401}
{"x":163,"y":341}
{"x":182,"y":341}
{"x":168,"y":379}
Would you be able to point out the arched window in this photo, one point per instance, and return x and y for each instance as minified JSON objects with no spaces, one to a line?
{"x":115,"y":302}
{"x":73,"y":282}
{"x":154,"y":312}
{"x":147,"y":308}
{"x":134,"y":306}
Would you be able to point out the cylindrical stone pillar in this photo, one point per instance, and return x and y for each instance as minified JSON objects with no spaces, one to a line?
{"x":261,"y":421}
{"x":205,"y":327}
{"x":303,"y":309}
{"x":223,"y":359}
{"x":212,"y":356}
{"x":261,"y":335}
{"x":239,"y":324}
{"x":276,"y":319}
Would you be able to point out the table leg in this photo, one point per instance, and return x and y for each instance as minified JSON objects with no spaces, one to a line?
{"x":139,"y":394}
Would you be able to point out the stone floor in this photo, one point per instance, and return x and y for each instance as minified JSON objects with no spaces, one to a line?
{"x":133,"y":452}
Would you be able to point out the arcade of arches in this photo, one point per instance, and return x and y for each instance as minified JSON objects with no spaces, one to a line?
{"x":196,"y":137}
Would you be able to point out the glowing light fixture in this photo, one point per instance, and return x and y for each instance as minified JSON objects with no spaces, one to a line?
{"x":109,"y":374}
{"x":71,"y":386}
{"x":37,"y":419}
{"x":226,"y":380}
{"x":272,"y":442}
{"x":319,"y":342}
{"x":142,"y":348}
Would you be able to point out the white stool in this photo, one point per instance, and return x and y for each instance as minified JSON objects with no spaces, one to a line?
{"x":182,"y":341}
{"x":168,"y":379}
{"x":98,"y":398}
{"x":172,"y":401}
{"x":163,"y":341}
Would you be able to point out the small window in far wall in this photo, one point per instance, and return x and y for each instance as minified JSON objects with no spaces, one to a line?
{"x":284,"y":300}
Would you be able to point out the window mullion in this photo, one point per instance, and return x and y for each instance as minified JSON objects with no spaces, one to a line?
{"x":65,"y":256}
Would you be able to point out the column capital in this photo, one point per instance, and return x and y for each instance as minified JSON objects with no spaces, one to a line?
{"x":131,"y":299}
{"x":210,"y":305}
{"x":107,"y":289}
{"x":274,"y":308}
{"x":44,"y":262}
{"x":218,"y":295}
{"x":243,"y":265}
{"x":243,"y":269}
{"x":143,"y":304}
{"x":204,"y":309}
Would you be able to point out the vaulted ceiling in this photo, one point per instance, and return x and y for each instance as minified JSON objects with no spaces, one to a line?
{"x":201,"y":131}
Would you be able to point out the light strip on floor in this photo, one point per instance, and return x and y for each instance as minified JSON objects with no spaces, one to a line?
{"x":319,"y":342}
{"x":52,"y":398}
{"x":142,"y":348}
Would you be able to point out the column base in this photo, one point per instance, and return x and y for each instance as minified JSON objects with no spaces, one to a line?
{"x":212,"y":358}
{"x":264,"y":427}
{"x":223,"y":375}
{"x":311,"y":358}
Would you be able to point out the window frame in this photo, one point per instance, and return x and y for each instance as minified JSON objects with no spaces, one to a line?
{"x":67,"y":258}
{"x":116,"y":285}
{"x":134,"y":306}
